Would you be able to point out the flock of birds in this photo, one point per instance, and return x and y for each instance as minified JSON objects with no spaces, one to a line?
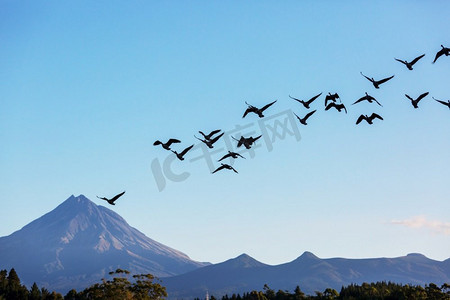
{"x":330,"y":102}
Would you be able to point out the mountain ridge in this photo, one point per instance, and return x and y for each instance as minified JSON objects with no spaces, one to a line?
{"x":78,"y":243}
{"x":308,"y":271}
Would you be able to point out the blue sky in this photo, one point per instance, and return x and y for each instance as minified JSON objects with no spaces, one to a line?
{"x":87,"y":87}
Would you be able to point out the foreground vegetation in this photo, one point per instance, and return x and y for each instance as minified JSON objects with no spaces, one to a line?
{"x":373,"y":291}
{"x":124,"y":286}
{"x":120,"y":287}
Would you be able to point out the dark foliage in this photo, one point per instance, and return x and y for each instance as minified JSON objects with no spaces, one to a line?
{"x":123,"y":286}
{"x":366,"y":291}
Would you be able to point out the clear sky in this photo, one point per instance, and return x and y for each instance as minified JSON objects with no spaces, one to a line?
{"x":87,"y":87}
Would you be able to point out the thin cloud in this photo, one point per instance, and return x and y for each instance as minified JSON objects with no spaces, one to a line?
{"x":416,"y":222}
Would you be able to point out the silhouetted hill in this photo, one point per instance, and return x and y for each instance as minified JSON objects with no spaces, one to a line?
{"x":78,"y":243}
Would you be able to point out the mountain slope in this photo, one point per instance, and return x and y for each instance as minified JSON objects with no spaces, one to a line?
{"x":308,"y":271}
{"x":78,"y":243}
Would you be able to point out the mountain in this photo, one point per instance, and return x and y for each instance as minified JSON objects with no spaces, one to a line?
{"x":79,"y":242}
{"x":244,"y":274}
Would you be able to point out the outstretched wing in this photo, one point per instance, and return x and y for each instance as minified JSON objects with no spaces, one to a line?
{"x":417,"y":59}
{"x":377,"y":102}
{"x":186,"y":150}
{"x":296,"y":99}
{"x":117,"y":196}
{"x":246,"y":112}
{"x":440,"y":52}
{"x":385,"y":79}
{"x":409,"y":97}
{"x":332,"y":104}
{"x":239,"y":155}
{"x":103,"y":198}
{"x":309,"y":115}
{"x":366,"y":77}
{"x":267,"y":106}
{"x":403,"y":62}
{"x":234,"y":170}
{"x":374,"y":115}
{"x":256,"y":138}
{"x":422,"y":96}
{"x":214,"y":132}
{"x":199,"y":139}
{"x":361,"y":117}
{"x":343,"y":106}
{"x":313,"y":98}
{"x":225,"y":156}
{"x":440,"y":101}
{"x":217,"y":138}
{"x":296,"y":116}
{"x":171,"y":141}
{"x":156,"y":143}
{"x":218,"y":169}
{"x":359,"y":100}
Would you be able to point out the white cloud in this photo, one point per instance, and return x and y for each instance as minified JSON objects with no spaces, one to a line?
{"x":437,"y":227}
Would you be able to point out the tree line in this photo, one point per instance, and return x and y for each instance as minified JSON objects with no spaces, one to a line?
{"x":124,"y":286}
{"x":366,"y":291}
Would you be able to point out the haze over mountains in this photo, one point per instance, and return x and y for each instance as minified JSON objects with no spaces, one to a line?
{"x":79,"y":242}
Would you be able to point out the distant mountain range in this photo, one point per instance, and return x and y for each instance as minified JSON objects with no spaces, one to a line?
{"x":244,"y":274}
{"x":79,"y":242}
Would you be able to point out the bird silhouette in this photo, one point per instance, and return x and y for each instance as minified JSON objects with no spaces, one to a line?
{"x":376,"y":83}
{"x":443,"y":102}
{"x":415,"y":102}
{"x":111,"y":201}
{"x":339,"y":106}
{"x":258,"y":111}
{"x":306,"y":104}
{"x":208,"y":136}
{"x":181,"y":155}
{"x":210,"y":142}
{"x":166,"y":145}
{"x":224,"y":166}
{"x":367,"y":98}
{"x":331,"y":97}
{"x":303,"y":121}
{"x":409,"y":65}
{"x":247,"y":142}
{"x":441,"y":52}
{"x":231,"y":154}
{"x":368,"y":119}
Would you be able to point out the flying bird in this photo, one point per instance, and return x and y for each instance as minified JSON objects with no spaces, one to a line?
{"x":258,"y":111}
{"x":306,"y":104}
{"x":231,"y":154}
{"x":367,"y":98}
{"x":209,"y":142}
{"x":410,"y":64}
{"x":166,"y":145}
{"x":415,"y":102}
{"x":208,"y":136}
{"x":111,"y":201}
{"x":368,"y":119}
{"x":181,"y":155}
{"x":376,"y":83}
{"x":331,"y":97}
{"x":224,"y":166}
{"x":339,"y":106}
{"x":303,"y":121}
{"x":247,"y":142}
{"x":443,"y":102}
{"x":444,"y":50}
